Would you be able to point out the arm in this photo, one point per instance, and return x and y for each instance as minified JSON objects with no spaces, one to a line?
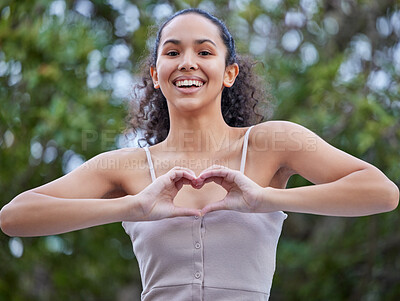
{"x":74,"y":201}
{"x":37,"y":214}
{"x":69,"y":203}
{"x":345,"y":185}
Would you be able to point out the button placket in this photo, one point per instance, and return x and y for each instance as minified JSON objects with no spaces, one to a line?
{"x":197,"y":251}
{"x":198,"y":266}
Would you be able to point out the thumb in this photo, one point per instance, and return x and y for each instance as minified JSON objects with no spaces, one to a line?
{"x":220,"y":205}
{"x":181,"y":211}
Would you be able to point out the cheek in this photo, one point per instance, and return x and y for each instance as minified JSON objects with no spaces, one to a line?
{"x":217,"y":71}
{"x":164,"y":71}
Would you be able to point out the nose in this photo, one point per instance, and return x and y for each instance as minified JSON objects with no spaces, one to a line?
{"x":188,"y":62}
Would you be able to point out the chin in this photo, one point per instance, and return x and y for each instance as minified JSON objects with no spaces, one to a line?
{"x":188,"y":105}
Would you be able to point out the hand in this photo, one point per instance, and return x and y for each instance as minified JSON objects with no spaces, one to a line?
{"x":156,"y":201}
{"x":243,"y":194}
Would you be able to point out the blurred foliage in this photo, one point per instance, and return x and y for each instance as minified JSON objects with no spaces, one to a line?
{"x":332,"y":66}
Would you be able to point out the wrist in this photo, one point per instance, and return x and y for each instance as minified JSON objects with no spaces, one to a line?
{"x":129,"y":207}
{"x":269,"y":201}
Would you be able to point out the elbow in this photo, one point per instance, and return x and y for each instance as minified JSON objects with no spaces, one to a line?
{"x":392,"y":197}
{"x":6,"y":221}
{"x":396,"y":196}
{"x":10,"y":217}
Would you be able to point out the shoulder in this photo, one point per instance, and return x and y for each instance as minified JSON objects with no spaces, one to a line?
{"x":112,"y":163}
{"x":114,"y":158}
{"x":280,"y":135}
{"x":125,"y":167}
{"x":279,"y":126}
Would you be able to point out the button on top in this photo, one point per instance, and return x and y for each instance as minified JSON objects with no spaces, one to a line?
{"x":197,"y":275}
{"x":196,"y":217}
{"x":197,"y":245}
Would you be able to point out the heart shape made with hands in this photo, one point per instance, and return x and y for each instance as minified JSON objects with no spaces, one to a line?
{"x":242,"y":195}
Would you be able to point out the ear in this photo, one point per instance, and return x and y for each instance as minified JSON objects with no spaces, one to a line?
{"x":231,"y":72}
{"x":154,"y":76}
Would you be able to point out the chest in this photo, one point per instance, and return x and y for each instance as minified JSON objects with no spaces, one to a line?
{"x":261,"y":169}
{"x":199,"y":198}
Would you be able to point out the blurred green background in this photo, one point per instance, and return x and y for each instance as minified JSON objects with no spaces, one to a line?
{"x":67,"y":70}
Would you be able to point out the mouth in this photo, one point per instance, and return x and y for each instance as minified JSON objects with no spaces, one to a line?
{"x":188,"y":85}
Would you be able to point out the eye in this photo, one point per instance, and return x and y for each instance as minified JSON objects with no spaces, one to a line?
{"x":172,"y":53}
{"x":204,"y":53}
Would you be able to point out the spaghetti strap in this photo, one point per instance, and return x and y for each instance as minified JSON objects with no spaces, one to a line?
{"x":153,"y":175}
{"x":244,"y":151}
{"x":242,"y":163}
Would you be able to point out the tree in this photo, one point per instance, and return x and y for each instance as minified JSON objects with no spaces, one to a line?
{"x":65,"y":74}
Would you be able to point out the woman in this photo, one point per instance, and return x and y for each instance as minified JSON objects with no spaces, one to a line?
{"x":215,"y":241}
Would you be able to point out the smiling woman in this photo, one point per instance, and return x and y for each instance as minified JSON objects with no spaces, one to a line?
{"x":242,"y":104}
{"x":189,"y":55}
{"x":204,"y":204}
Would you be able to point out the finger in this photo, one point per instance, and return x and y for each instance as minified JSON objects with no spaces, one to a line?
{"x":198,"y":182}
{"x":182,"y":178}
{"x":183,"y":181}
{"x":219,"y":180}
{"x":217,"y":170}
{"x":177,"y":167}
{"x":181,"y":211}
{"x":214,"y":167}
{"x":224,"y":177}
{"x":176,"y":173}
{"x":220,"y":205}
{"x":185,"y":169}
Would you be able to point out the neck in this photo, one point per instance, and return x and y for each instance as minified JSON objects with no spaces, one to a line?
{"x":199,"y":134}
{"x":194,"y":130}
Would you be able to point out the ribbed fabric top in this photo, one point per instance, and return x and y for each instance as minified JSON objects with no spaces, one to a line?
{"x":224,"y":255}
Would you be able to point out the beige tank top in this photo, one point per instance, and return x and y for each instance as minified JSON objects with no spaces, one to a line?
{"x":224,"y":255}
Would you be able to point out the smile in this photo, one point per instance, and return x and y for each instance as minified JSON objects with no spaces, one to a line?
{"x":188,"y":83}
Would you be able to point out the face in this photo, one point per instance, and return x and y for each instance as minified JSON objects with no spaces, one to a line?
{"x":190,"y":68}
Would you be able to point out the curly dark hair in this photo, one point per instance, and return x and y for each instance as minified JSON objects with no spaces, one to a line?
{"x":149,"y":110}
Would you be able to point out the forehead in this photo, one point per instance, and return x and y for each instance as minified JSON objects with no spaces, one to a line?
{"x":191,"y":26}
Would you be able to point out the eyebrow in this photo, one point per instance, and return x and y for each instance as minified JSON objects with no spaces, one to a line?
{"x":198,"y":42}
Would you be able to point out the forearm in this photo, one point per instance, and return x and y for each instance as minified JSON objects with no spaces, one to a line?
{"x":363,"y":192}
{"x":34,"y":214}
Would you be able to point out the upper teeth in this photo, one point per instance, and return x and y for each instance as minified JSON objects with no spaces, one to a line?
{"x":186,"y":82}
